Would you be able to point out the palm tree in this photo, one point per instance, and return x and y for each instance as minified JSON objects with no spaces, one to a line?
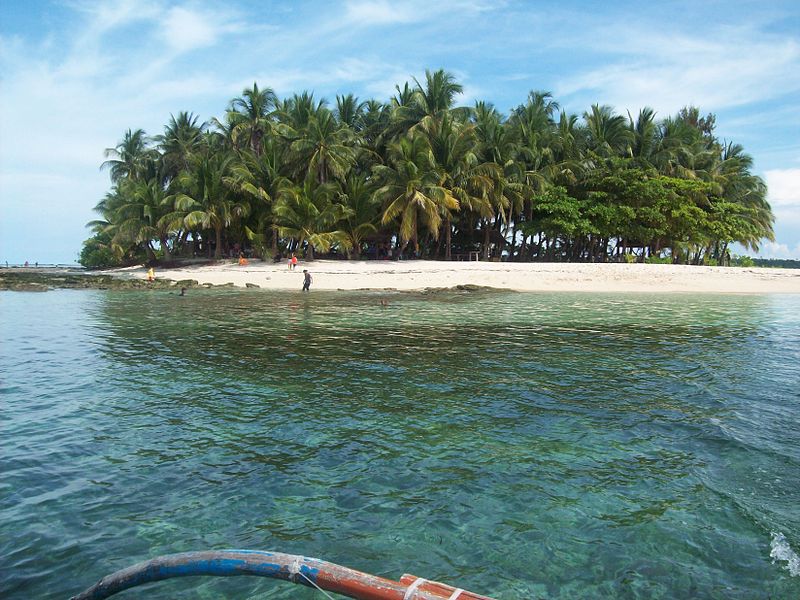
{"x":731,"y":176}
{"x":411,"y":190}
{"x":127,"y":158}
{"x":498,"y":144}
{"x":438,"y":93}
{"x":608,"y":134}
{"x":250,"y":117}
{"x":260,"y":178}
{"x":295,"y":112}
{"x":182,"y":139}
{"x":644,"y":137}
{"x":322,"y":150}
{"x":207,"y":201}
{"x":308,"y":214}
{"x":145,"y":216}
{"x":453,"y":147}
{"x":357,"y":195}
{"x":425,"y":103}
{"x":350,"y":112}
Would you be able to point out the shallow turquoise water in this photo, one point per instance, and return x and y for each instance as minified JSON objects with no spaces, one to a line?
{"x":519,"y":445}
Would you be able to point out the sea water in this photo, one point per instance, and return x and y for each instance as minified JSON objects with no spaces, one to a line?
{"x":518,"y":445}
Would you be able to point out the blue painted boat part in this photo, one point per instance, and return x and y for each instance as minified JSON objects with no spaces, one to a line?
{"x":310,"y":572}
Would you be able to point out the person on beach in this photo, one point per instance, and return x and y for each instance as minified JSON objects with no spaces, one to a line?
{"x":243,"y":262}
{"x":306,"y":280}
{"x":294,"y":261}
{"x":151,"y":274}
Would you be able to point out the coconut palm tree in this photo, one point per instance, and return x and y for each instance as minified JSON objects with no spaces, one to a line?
{"x":411,"y":191}
{"x":260,"y":177}
{"x":453,"y":147}
{"x":182,"y":139}
{"x":207,"y":200}
{"x":438,"y":94}
{"x":350,"y":112}
{"x":425,"y":102}
{"x":295,"y":112}
{"x":128,"y":157}
{"x":250,"y":117}
{"x":644,"y":137}
{"x":608,"y":134}
{"x":734,"y":183}
{"x":308,"y":214}
{"x":498,"y":144}
{"x":144,"y":216}
{"x":322,"y":150}
{"x":363,"y":211}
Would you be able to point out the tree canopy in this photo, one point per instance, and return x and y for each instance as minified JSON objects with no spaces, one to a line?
{"x":419,"y":174}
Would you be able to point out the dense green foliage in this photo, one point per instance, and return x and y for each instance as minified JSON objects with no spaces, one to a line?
{"x":419,"y":174}
{"x":779,"y":263}
{"x":96,"y":252}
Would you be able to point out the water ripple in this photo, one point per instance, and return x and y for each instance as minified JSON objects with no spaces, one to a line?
{"x":524,"y":445}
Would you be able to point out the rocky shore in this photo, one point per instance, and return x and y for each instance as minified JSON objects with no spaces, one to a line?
{"x":42,"y":280}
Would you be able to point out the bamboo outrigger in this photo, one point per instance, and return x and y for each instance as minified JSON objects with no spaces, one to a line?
{"x":310,"y":572}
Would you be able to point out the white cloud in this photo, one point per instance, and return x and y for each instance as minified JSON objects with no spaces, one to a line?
{"x":106,"y":16}
{"x":783,"y":186}
{"x":374,"y":76}
{"x":783,"y":193}
{"x":183,"y":29}
{"x":779,"y":250}
{"x":384,"y":12}
{"x":380,"y":12}
{"x":665,"y":70}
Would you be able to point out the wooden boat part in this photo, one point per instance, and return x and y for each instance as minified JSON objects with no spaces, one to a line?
{"x":310,"y":572}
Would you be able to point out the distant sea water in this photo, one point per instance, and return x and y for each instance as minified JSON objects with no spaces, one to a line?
{"x":518,"y":445}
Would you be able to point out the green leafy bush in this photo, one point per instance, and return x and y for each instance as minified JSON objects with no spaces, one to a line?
{"x":659,"y":260}
{"x":743,"y":261}
{"x":97,"y":253}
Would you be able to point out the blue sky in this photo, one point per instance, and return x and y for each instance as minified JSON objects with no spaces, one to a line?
{"x":74,"y":75}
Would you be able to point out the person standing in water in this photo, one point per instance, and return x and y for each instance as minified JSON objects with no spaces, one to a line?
{"x":306,"y":280}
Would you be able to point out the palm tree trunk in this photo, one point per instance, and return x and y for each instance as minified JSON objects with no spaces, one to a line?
{"x":447,"y":239}
{"x":218,"y":249}
{"x":165,"y":248}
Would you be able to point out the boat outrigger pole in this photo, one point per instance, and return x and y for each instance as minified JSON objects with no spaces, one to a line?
{"x":310,"y":572}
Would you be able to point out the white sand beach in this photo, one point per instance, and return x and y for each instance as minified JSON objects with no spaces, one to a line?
{"x":419,"y":274}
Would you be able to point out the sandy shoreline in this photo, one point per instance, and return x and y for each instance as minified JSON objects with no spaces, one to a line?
{"x":418,"y":275}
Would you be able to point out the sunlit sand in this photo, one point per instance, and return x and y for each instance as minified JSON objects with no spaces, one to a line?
{"x":419,"y":274}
